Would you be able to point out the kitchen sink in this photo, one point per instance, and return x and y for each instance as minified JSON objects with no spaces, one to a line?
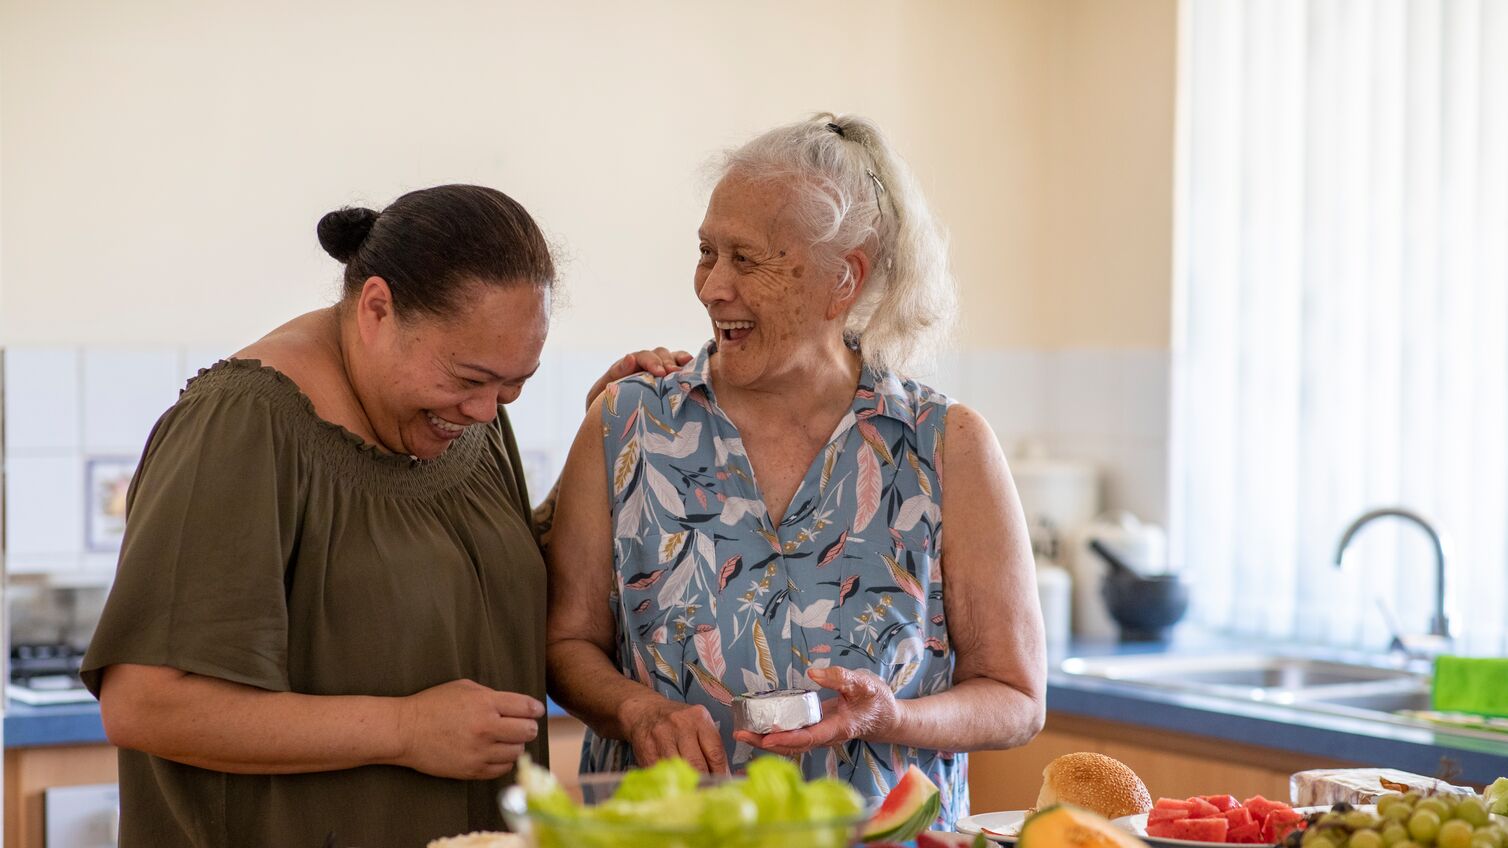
{"x":1259,"y":676}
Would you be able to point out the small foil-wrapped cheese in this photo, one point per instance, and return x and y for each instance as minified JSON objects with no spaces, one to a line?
{"x":777,"y":710}
{"x":1323,"y":787}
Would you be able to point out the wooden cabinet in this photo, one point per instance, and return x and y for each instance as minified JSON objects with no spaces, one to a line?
{"x":1170,"y":764}
{"x":30,"y":771}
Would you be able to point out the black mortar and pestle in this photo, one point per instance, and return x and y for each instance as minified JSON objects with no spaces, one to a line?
{"x":1146,"y":608}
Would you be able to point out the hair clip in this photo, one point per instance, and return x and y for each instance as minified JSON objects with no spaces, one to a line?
{"x":837,"y":129}
{"x":879,"y":187}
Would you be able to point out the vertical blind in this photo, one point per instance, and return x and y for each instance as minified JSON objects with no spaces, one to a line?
{"x":1341,"y":314}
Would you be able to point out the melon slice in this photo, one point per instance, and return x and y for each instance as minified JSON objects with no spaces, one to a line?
{"x":1060,"y":826}
{"x":910,"y":808}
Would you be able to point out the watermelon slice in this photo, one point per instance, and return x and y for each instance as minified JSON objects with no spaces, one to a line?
{"x":1223,"y":803}
{"x":910,"y":807}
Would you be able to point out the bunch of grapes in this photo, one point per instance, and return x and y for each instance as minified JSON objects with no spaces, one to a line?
{"x":1404,"y":821}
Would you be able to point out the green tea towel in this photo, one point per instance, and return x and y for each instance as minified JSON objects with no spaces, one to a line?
{"x":1471,"y":685}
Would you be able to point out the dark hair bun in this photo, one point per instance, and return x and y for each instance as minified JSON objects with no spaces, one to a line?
{"x":341,"y":232}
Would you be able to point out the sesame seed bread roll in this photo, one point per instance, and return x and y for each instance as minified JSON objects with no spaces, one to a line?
{"x":1093,"y":782}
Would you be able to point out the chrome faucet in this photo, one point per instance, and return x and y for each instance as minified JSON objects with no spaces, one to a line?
{"x":1439,"y":626}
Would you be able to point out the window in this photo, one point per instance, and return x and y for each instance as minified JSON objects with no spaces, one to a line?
{"x":1341,"y":320}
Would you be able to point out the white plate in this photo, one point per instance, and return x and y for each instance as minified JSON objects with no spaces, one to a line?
{"x":1137,"y":824}
{"x":1004,"y":825}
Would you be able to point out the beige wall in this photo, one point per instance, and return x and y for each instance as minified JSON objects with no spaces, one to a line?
{"x":162,"y":163}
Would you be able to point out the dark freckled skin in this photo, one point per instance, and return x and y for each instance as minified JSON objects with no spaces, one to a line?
{"x":798,"y":271}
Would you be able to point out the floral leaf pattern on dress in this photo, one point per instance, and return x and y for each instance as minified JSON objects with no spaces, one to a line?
{"x":713,"y":599}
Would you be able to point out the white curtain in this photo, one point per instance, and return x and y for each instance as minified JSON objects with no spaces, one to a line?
{"x":1341,"y":313}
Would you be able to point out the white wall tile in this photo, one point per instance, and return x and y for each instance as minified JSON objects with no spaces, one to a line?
{"x":1137,"y":479}
{"x":1145,"y":380}
{"x":1006,"y":387}
{"x":42,"y":399}
{"x":125,"y":392}
{"x":191,"y":359}
{"x":44,"y":508}
{"x":1083,"y":395}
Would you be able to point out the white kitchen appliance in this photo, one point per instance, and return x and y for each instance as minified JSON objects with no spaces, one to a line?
{"x":1142,"y":546}
{"x":1057,"y":496}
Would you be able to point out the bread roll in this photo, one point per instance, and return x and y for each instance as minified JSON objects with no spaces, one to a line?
{"x":1093,"y":782}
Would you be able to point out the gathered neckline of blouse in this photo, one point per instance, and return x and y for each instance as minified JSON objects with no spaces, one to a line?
{"x":356,"y":459}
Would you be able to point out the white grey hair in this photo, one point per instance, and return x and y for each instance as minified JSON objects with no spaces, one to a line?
{"x":853,"y":191}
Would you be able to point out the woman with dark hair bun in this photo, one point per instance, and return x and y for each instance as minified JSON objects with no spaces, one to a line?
{"x":327,"y":625}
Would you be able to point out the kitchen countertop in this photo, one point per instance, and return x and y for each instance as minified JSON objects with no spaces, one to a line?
{"x":1281,"y":727}
{"x":28,"y":726}
{"x":1276,"y":726}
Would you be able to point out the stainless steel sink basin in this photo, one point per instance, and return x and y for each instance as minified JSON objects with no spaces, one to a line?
{"x":1259,"y":676}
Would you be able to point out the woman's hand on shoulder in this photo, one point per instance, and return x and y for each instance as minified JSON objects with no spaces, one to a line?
{"x":864,"y":708}
{"x":658,"y":362}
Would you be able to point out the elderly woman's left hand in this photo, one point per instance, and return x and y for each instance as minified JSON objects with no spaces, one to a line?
{"x":658,"y":362}
{"x":865,"y":708}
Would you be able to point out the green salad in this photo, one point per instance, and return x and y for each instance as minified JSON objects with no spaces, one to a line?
{"x":665,"y":805}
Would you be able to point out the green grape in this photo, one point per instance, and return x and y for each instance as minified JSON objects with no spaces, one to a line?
{"x":1437,"y":804}
{"x":1411,"y":797}
{"x":1366,"y":838}
{"x":1424,"y":824}
{"x":1407,"y":844}
{"x":1399,"y":812}
{"x":1319,"y":841}
{"x":1329,"y":819}
{"x":1472,"y":810}
{"x":1479,"y":840}
{"x":1394,"y":833}
{"x":1492,"y":833}
{"x":1454,"y":834}
{"x":1358,"y":820}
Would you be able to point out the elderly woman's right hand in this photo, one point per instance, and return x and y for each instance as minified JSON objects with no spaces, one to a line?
{"x":658,"y":728}
{"x":465,"y":730}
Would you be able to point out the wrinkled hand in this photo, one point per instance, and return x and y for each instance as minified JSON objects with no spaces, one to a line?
{"x":658,"y":362}
{"x":466,"y":731}
{"x":659,"y":728}
{"x":865,"y":707}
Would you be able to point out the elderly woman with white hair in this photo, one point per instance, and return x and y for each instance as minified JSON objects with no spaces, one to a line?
{"x":771,"y":515}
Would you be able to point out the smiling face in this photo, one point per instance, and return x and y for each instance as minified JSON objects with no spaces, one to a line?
{"x":427,"y":378}
{"x":771,"y":297}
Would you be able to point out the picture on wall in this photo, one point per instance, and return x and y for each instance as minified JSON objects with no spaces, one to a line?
{"x":106,"y":480}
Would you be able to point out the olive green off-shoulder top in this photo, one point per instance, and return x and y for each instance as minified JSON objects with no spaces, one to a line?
{"x":269,"y":547}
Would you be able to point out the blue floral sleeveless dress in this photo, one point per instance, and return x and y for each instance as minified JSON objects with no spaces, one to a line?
{"x":712,"y":600}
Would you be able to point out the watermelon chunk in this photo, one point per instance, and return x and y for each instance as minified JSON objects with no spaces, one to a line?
{"x":1168,"y":815}
{"x":1260,"y":807}
{"x":1240,"y":817}
{"x":1198,"y":830}
{"x":1247,"y":834}
{"x":1280,"y":823}
{"x":1202,"y":809}
{"x":1223,"y":803}
{"x":1173,"y":804}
